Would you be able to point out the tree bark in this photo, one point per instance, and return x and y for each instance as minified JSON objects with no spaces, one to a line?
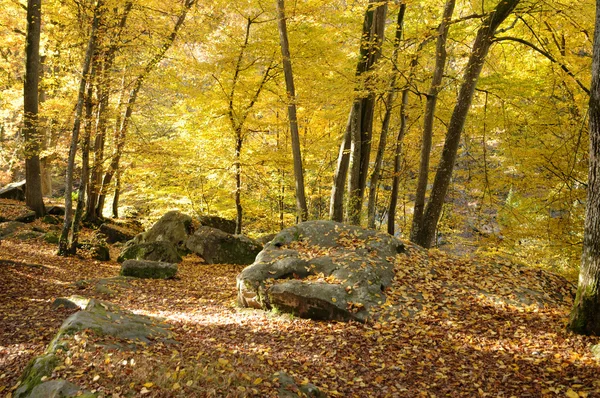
{"x":63,"y":244}
{"x":238,"y":182}
{"x":33,"y":194}
{"x":427,"y":137}
{"x":373,"y":34}
{"x":481,"y":46}
{"x":585,"y":315}
{"x":291,"y":98}
{"x":391,"y":96}
{"x":361,"y":122}
{"x":391,"y":225}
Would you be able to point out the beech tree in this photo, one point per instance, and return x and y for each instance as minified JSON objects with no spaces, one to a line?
{"x":292,"y":114}
{"x":484,"y":39}
{"x":585,"y":315}
{"x":33,"y":195}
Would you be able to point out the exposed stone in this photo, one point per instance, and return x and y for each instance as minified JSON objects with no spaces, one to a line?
{"x":321,"y":270}
{"x":10,"y":227}
{"x":148,"y":269}
{"x":55,"y":389}
{"x":116,"y":233}
{"x":218,"y":247}
{"x":266,"y":238}
{"x":162,"y":251}
{"x":27,"y":217}
{"x":51,"y":237}
{"x":28,"y":235}
{"x":174,"y":227}
{"x":14,"y":191}
{"x":217,"y":222}
{"x":50,"y":219}
{"x":55,"y":210}
{"x":71,"y":302}
{"x":97,"y":251}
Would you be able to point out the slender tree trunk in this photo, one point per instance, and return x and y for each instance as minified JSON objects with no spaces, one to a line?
{"x":585,"y":315}
{"x":336,"y":203}
{"x":85,"y":161}
{"x":137,"y":85}
{"x":370,"y":52}
{"x":481,"y":46}
{"x":63,"y":248}
{"x":373,"y":34}
{"x":432,"y":96}
{"x":391,"y":225}
{"x":117,"y":195}
{"x":33,"y":194}
{"x":376,"y":174}
{"x":291,"y":98}
{"x":238,"y":182}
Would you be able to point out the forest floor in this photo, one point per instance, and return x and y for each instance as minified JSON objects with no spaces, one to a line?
{"x":481,"y":348}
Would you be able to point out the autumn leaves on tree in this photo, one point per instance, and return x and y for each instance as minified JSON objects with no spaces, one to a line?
{"x":446,"y":119}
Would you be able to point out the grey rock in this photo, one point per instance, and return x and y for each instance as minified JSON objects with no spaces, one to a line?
{"x":55,"y":210}
{"x":116,"y":233}
{"x":10,"y":227}
{"x":349,"y":269}
{"x":148,"y":269}
{"x":174,"y":227}
{"x":55,"y":389}
{"x":218,"y":247}
{"x":28,"y":235}
{"x":14,"y":191}
{"x":38,"y":367}
{"x":217,"y":222}
{"x":71,"y":302}
{"x":27,"y":217}
{"x":162,"y":251}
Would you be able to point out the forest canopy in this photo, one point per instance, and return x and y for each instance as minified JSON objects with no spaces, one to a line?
{"x":211,"y":106}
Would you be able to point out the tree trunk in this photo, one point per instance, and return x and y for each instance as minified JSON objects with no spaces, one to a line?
{"x":238,"y":182}
{"x":291,"y":98}
{"x":63,"y":248}
{"x":585,"y":315}
{"x":117,"y":195}
{"x":481,"y":46}
{"x":391,"y":226}
{"x":376,"y":174}
{"x":362,"y":122}
{"x":336,"y":203}
{"x":432,"y":96}
{"x":85,"y":161}
{"x":33,"y":194}
{"x":373,"y":34}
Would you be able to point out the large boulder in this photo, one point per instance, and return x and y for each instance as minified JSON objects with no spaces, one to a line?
{"x":174,"y":227}
{"x":321,"y":270}
{"x":14,"y":191}
{"x":217,"y":222}
{"x":218,"y":247}
{"x":153,"y":251}
{"x":148,"y":269}
{"x":115,"y":329}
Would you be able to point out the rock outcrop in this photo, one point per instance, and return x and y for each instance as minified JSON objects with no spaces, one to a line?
{"x":217,"y":222}
{"x":218,"y":247}
{"x":321,"y":270}
{"x":162,"y":251}
{"x":104,"y":319}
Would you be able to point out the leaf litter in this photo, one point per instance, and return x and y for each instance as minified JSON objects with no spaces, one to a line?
{"x":450,"y":327}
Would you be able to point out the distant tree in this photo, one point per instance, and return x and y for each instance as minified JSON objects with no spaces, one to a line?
{"x":293,"y":119}
{"x":33,"y":194}
{"x":585,"y":315}
{"x":483,"y":41}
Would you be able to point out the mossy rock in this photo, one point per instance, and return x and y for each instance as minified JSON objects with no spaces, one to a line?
{"x":148,"y":269}
{"x":51,"y":238}
{"x":162,"y":251}
{"x":39,"y":367}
